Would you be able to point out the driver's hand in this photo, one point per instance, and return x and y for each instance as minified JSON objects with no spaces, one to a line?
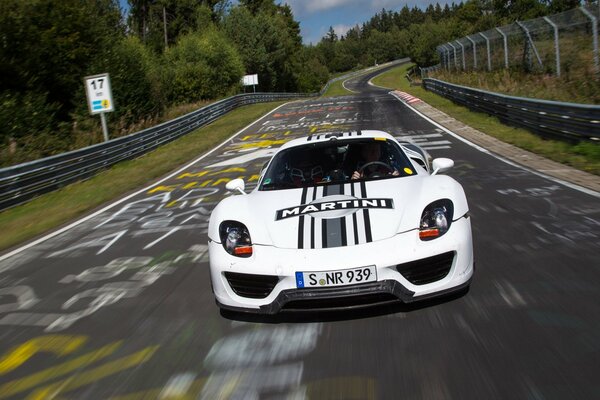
{"x":356,"y":175}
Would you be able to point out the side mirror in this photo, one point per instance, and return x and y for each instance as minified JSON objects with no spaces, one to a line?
{"x":236,"y":184}
{"x":441,"y":165}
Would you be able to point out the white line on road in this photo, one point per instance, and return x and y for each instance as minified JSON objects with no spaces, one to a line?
{"x":162,"y":237}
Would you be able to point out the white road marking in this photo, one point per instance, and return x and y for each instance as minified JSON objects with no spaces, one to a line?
{"x":163,"y":236}
{"x":417,"y":137}
{"x":177,"y":386}
{"x":435,"y":147}
{"x":122,"y":200}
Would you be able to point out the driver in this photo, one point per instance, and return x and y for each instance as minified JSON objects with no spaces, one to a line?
{"x":371,"y":153}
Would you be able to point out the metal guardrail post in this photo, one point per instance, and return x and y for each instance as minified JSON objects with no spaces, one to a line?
{"x":594,"y":21}
{"x":474,"y":52}
{"x":463,"y":55}
{"x":556,"y":44}
{"x":455,"y":63}
{"x":531,"y":43}
{"x":505,"y":47}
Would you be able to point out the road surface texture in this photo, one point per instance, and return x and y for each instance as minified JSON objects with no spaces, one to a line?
{"x":120,"y":305}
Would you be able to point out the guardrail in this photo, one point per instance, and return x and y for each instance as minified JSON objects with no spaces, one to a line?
{"x":20,"y":183}
{"x":551,"y":119}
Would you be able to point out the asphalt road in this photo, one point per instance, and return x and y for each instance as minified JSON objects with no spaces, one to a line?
{"x":120,"y":305}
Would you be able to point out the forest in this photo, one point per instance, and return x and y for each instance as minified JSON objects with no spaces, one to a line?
{"x":166,"y":53}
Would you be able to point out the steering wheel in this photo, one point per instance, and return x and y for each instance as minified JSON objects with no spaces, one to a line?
{"x":375,"y":174}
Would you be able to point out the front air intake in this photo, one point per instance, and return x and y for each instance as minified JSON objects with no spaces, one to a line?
{"x":427,"y":270}
{"x":251,"y":286}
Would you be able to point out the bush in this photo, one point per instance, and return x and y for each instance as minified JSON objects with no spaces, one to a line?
{"x":203,"y":66}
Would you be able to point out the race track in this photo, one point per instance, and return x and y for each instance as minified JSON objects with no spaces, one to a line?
{"x":120,"y":305}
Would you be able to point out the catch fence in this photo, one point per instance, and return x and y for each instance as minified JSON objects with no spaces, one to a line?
{"x":560,"y":44}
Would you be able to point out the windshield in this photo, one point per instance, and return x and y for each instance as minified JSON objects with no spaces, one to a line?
{"x":336,"y":161}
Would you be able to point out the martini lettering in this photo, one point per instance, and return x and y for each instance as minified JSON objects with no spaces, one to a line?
{"x":332,"y":206}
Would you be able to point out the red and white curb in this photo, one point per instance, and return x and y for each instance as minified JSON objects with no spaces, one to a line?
{"x":405,"y":97}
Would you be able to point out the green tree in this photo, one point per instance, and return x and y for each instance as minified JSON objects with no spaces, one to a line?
{"x":49,"y":45}
{"x":202,"y":67}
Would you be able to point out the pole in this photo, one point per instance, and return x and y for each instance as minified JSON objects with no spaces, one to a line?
{"x":455,"y":63}
{"x":463,"y":55}
{"x":505,"y":47}
{"x":556,"y":44}
{"x":104,"y":126}
{"x":594,"y":21}
{"x":165,"y":26}
{"x":487,"y":45}
{"x":474,"y":52}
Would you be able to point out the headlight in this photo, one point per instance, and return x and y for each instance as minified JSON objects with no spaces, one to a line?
{"x":235,"y":238}
{"x":436,"y":219}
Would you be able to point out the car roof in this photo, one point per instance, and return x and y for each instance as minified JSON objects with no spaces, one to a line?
{"x":326,"y":136}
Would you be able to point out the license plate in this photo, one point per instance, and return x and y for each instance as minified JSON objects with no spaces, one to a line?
{"x":336,"y":278}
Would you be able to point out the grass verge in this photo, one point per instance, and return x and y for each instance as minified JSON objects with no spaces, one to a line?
{"x":336,"y":89}
{"x":56,"y":208}
{"x":584,"y":156}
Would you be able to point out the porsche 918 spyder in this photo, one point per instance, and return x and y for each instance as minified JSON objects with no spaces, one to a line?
{"x":341,"y":220}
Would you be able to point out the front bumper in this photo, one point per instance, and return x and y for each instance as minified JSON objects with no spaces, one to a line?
{"x":385,"y":255}
{"x":345,"y":297}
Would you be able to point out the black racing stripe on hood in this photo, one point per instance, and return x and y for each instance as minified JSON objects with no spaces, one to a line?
{"x":301,"y":221}
{"x":324,"y":225}
{"x":343,"y":222}
{"x":363,"y":187}
{"x":354,"y":222}
{"x":312,"y":222}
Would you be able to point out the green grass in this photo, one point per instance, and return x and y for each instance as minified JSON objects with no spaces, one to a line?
{"x":336,"y":89}
{"x":584,"y":156}
{"x":54,"y":209}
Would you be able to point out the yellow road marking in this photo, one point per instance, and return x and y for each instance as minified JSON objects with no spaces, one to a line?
{"x":93,"y":375}
{"x":192,"y":174}
{"x":161,"y":188}
{"x":57,"y":344}
{"x":20,"y":385}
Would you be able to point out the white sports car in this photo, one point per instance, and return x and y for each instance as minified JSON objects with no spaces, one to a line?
{"x":341,"y":220}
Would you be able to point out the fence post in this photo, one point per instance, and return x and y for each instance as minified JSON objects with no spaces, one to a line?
{"x":447,"y":57}
{"x":556,"y":44}
{"x":463,"y":55}
{"x":487,"y":44}
{"x":595,"y":34}
{"x":474,"y":52}
{"x":505,"y":47}
{"x":455,"y":63}
{"x":528,"y":36}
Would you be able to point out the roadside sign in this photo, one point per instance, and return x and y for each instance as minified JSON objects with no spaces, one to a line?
{"x":99,"y":95}
{"x":250,"y":80}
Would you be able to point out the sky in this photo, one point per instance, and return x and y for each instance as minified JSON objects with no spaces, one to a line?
{"x":316,"y":16}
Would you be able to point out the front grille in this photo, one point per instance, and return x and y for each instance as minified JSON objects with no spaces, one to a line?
{"x":427,"y":270}
{"x":363,"y":300}
{"x":252,"y":286}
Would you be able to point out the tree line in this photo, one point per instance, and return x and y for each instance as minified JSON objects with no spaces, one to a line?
{"x":171,"y":52}
{"x":415,"y":32}
{"x":165,"y":53}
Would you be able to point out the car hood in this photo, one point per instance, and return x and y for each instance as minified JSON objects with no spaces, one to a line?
{"x":336,"y":215}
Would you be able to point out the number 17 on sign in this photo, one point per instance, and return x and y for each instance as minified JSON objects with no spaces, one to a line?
{"x":99,"y":97}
